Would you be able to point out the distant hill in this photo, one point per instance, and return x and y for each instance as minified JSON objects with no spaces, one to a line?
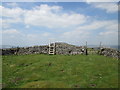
{"x":107,"y":46}
{"x":6,"y":46}
{"x":115,"y":46}
{"x":64,"y":44}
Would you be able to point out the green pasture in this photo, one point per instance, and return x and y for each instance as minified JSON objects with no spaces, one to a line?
{"x":59,"y":71}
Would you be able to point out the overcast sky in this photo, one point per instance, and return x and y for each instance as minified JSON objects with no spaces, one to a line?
{"x":35,"y":23}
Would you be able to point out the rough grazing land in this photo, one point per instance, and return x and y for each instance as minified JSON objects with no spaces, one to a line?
{"x":59,"y":71}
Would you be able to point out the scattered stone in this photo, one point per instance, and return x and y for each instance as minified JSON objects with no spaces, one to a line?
{"x":62,"y":70}
{"x":92,"y":85}
{"x":36,"y":80}
{"x":76,"y":86}
{"x":16,"y":80}
{"x":100,"y":77}
{"x":49,"y":64}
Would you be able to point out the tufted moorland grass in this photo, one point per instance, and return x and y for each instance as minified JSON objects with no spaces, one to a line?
{"x":59,"y":71}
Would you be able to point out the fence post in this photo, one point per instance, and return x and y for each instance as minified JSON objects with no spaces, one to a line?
{"x":86,"y":52}
{"x":100,"y":48}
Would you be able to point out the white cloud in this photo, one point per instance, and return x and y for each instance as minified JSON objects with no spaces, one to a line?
{"x":12,"y":4}
{"x":46,"y":34}
{"x":13,"y":37}
{"x":109,"y":37}
{"x":49,"y":16}
{"x":17,"y":38}
{"x":88,"y":1}
{"x":11,"y":12}
{"x":45,"y":8}
{"x":75,"y":34}
{"x":61,"y":0}
{"x":108,"y":7}
{"x":31,"y":36}
{"x":108,"y":32}
{"x":5,"y":23}
{"x":11,"y":31}
{"x":1,"y":23}
{"x":10,"y":16}
{"x":99,"y":24}
{"x":27,"y":26}
{"x":10,"y":21}
{"x":113,"y":25}
{"x":45,"y":15}
{"x":53,"y":17}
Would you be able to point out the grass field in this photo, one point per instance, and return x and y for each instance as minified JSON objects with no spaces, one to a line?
{"x":59,"y":71}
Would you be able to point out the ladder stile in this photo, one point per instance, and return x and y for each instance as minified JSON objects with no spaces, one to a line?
{"x":52,"y":48}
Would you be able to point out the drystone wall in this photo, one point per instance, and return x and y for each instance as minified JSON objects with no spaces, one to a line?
{"x":25,"y":50}
{"x":33,"y":50}
{"x":110,"y":52}
{"x":63,"y":48}
{"x":60,"y":48}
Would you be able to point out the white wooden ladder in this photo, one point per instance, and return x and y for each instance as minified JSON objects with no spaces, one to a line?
{"x":52,"y":48}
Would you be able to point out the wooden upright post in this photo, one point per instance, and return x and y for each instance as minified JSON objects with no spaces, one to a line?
{"x":100,"y":48}
{"x":100,"y":44}
{"x":86,"y":53}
